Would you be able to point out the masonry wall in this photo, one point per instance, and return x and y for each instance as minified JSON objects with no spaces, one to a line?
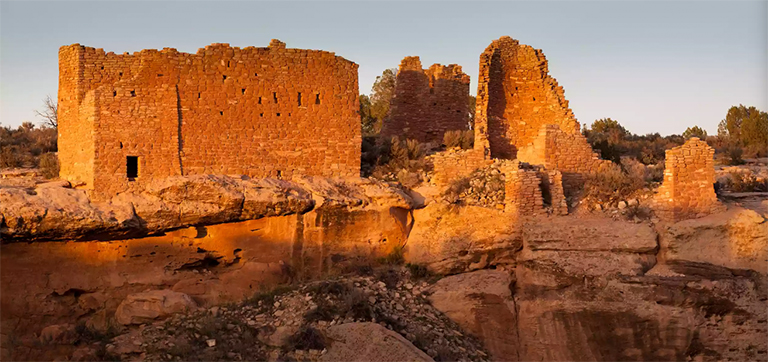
{"x":688,"y":187}
{"x":261,"y":112}
{"x":522,"y":194}
{"x":515,"y":97}
{"x":570,"y":153}
{"x":454,"y":164}
{"x":428,"y":102}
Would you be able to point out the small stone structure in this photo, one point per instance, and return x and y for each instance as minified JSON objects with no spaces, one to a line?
{"x":428,"y":102}
{"x":262,"y":112}
{"x":688,"y":187}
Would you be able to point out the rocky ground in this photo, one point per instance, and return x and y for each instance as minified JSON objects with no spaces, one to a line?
{"x":308,"y":322}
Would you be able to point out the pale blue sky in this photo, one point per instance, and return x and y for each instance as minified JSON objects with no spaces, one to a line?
{"x":653,"y":66}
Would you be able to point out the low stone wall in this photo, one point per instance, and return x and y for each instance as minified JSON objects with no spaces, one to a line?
{"x":570,"y":153}
{"x":523,"y":190}
{"x":454,"y":164}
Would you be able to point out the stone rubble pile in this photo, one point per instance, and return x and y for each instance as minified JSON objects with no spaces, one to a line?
{"x":295,"y":324}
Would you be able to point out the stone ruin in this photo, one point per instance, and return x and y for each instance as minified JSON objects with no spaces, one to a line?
{"x":276,"y":112}
{"x":522,"y":115}
{"x":687,"y":190}
{"x":428,"y":102}
{"x":261,"y":112}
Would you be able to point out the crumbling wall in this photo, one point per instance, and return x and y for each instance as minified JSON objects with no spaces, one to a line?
{"x":569,"y":153}
{"x":428,"y":102}
{"x":523,"y":190}
{"x":261,"y":112}
{"x":454,"y":164}
{"x":552,"y":190}
{"x":515,"y":97}
{"x":688,"y":187}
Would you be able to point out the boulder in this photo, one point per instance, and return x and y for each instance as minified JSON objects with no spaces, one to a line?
{"x":369,"y":342}
{"x":736,"y":240}
{"x":59,"y":213}
{"x":146,"y":307}
{"x":481,"y":303}
{"x":269,"y":197}
{"x":58,"y":333}
{"x":454,"y":239}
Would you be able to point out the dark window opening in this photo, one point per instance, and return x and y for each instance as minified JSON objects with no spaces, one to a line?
{"x":102,"y":67}
{"x":198,"y":95}
{"x":221,"y":113}
{"x":255,"y":74}
{"x":159,"y":75}
{"x":121,"y":74}
{"x":534,"y":98}
{"x":274,"y":96}
{"x":133,"y":93}
{"x":227,"y":63}
{"x":317,"y":98}
{"x":132,"y":167}
{"x":121,"y":145}
{"x":279,"y":174}
{"x":261,"y":114}
{"x":278,"y":114}
{"x":223,"y":77}
{"x":299,"y":99}
{"x":259,"y":100}
{"x":243,"y":90}
{"x":289,"y":114}
{"x":114,"y":93}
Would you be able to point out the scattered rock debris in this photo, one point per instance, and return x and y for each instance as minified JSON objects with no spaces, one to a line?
{"x":292,"y":323}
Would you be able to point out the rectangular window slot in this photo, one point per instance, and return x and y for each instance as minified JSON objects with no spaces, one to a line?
{"x":102,"y":67}
{"x":133,"y":93}
{"x":223,"y":77}
{"x":159,"y":75}
{"x":274,"y":96}
{"x":221,"y":113}
{"x":227,"y":63}
{"x":261,"y":114}
{"x":317,"y":98}
{"x":299,"y":99}
{"x":121,"y":74}
{"x":278,"y":114}
{"x":132,"y":167}
{"x":255,"y":74}
{"x":114,"y":93}
{"x":243,"y":90}
{"x":259,"y":100}
{"x":198,"y":95}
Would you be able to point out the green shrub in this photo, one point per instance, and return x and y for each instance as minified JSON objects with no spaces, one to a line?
{"x":49,"y":165}
{"x":612,"y":185}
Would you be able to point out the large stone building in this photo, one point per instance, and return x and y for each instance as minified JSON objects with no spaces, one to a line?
{"x":428,"y":102}
{"x":263,"y":112}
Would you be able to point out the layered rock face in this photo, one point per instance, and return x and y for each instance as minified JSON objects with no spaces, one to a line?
{"x":600,"y":290}
{"x":261,"y":234}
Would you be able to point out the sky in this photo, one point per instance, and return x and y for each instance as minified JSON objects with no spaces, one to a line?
{"x":654,"y":66}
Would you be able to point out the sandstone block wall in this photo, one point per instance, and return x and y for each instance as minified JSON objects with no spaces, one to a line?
{"x":454,"y":164}
{"x":522,"y":190}
{"x":428,"y":102}
{"x":261,"y":112}
{"x":688,"y":187}
{"x":515,"y":97}
{"x":569,"y":153}
{"x":553,"y":192}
